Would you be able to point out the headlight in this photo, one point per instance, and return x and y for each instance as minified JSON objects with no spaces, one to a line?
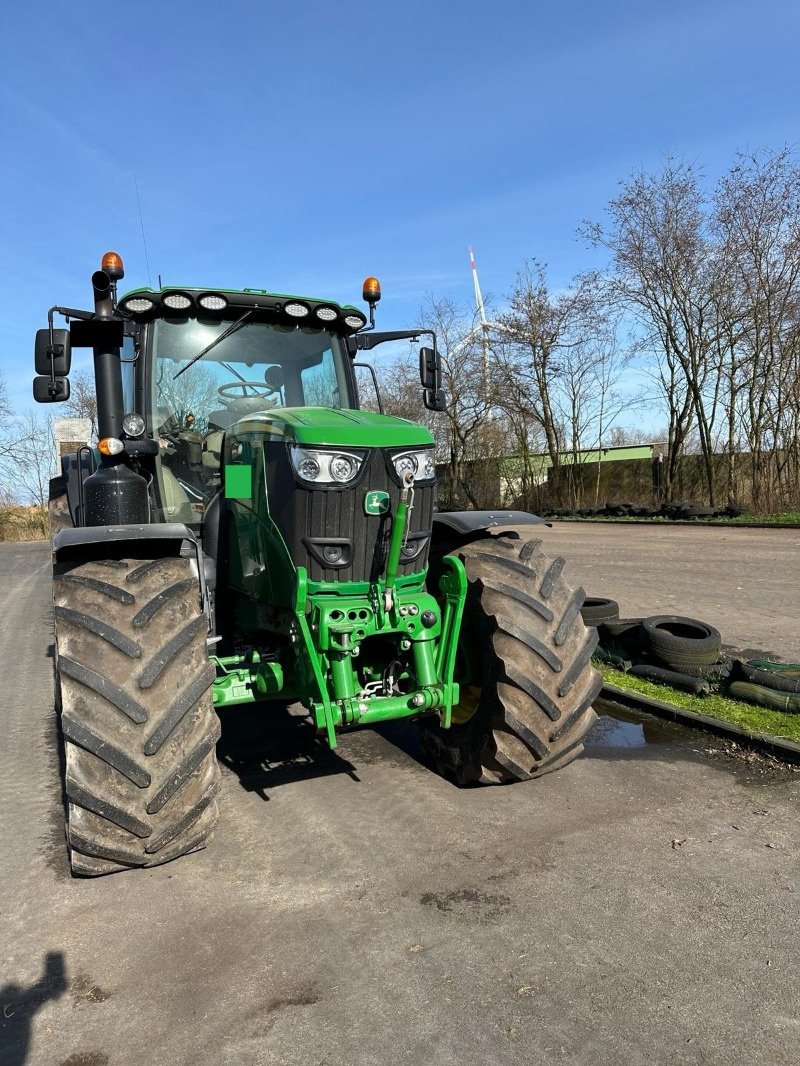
{"x":133,"y":425}
{"x":344,"y":468}
{"x":320,"y":467}
{"x":308,"y":468}
{"x":420,"y":463}
{"x":296,"y":310}
{"x":327,"y":314}
{"x":354,"y":321}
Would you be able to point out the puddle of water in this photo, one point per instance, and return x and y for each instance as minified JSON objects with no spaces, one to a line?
{"x":621,"y":730}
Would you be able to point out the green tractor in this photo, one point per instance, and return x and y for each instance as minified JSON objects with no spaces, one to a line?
{"x":245,"y":533}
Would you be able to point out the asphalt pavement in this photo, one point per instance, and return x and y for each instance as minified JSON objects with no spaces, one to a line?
{"x":354,"y":908}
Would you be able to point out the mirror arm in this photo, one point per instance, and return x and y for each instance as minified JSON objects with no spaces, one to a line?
{"x":361,"y":342}
{"x":67,"y":313}
{"x":371,"y":368}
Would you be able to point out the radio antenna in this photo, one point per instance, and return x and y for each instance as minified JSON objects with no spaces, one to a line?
{"x":144,"y":238}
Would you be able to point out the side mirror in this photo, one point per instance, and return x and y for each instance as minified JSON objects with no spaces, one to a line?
{"x":430,"y":369}
{"x":430,"y":375}
{"x":60,"y":353}
{"x":47,"y":391}
{"x":434,"y":399}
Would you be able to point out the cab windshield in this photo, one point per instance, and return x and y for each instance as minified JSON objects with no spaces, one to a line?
{"x":257,"y":368}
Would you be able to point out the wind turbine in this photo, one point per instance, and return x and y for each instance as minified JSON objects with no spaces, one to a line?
{"x":484,"y":324}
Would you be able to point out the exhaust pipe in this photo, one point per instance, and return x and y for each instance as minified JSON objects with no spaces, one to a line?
{"x":107,"y":370}
{"x":103,"y":294}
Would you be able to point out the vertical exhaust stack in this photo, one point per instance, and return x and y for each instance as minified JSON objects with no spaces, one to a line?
{"x":107,"y":369}
{"x":114,"y":494}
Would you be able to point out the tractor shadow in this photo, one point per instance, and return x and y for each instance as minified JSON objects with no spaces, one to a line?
{"x":270,"y":746}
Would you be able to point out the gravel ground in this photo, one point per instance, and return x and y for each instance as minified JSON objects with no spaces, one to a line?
{"x":746,"y":582}
{"x":639,"y":907}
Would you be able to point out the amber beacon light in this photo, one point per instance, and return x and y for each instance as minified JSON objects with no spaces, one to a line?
{"x":113,"y":265}
{"x":371,"y":291}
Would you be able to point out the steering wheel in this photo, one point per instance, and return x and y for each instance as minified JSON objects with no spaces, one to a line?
{"x":229,"y":391}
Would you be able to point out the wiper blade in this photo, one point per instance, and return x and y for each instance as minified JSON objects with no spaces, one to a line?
{"x":217,"y":340}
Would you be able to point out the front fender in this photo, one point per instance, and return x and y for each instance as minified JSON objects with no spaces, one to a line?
{"x":465,"y":523}
{"x":85,"y":543}
{"x":453,"y":529}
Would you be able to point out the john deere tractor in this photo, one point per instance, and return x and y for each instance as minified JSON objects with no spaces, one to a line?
{"x":244,"y":533}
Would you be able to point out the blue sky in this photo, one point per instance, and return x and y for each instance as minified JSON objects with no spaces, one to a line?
{"x":302,"y":148}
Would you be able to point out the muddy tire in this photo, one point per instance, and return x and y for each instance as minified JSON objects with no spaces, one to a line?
{"x":137,"y":716}
{"x":57,"y":506}
{"x":535,"y":685}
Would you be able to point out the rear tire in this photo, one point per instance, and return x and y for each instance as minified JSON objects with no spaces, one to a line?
{"x":137,"y":716}
{"x":534,"y":695}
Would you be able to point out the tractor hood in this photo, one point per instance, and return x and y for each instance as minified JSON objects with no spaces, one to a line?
{"x":321,"y":426}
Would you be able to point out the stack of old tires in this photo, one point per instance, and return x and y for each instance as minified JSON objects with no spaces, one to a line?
{"x":682,"y":652}
{"x":686,"y":654}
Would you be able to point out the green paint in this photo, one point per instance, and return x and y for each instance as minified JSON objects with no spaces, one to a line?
{"x":453,"y":584}
{"x":238,"y":482}
{"x":329,"y":427}
{"x":396,"y":542}
{"x":334,"y":649}
{"x":245,"y":679}
{"x":376,"y":503}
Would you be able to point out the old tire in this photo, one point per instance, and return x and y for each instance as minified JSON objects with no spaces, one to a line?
{"x":597,"y":609}
{"x":624,"y":630}
{"x":680,"y":641}
{"x":137,"y":716}
{"x":529,"y":707}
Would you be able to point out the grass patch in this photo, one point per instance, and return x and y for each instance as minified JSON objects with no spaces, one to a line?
{"x":23,"y":523}
{"x":745,"y":715}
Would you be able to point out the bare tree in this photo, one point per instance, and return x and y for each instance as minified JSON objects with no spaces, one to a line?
{"x":553,"y":358}
{"x":82,"y":402}
{"x":630,"y":436}
{"x":465,"y":429}
{"x":664,"y":273}
{"x":30,"y":462}
{"x":757,"y":221}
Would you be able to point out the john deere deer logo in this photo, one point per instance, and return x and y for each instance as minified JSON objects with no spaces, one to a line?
{"x":376,"y":502}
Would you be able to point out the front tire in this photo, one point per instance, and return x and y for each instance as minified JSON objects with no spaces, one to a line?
{"x":528,"y":706}
{"x":137,"y":716}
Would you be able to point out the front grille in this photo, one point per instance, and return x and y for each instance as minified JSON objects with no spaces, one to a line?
{"x":306,"y":514}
